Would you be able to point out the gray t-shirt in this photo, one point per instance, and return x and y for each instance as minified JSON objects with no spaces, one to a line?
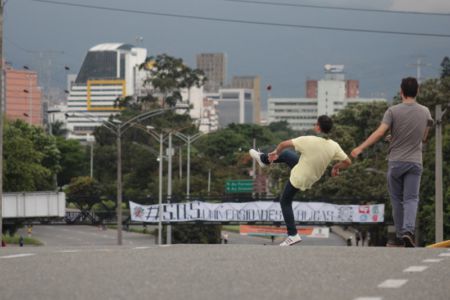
{"x":407,"y":122}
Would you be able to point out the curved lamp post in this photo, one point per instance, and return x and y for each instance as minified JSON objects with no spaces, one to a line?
{"x":118,"y":129}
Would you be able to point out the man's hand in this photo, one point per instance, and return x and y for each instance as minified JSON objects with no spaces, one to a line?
{"x":357,"y":151}
{"x":272,"y":156}
{"x":335,"y":171}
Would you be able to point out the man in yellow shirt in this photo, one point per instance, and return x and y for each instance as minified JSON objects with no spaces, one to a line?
{"x":316,"y":154}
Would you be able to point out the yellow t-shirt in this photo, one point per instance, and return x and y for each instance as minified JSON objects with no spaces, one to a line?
{"x":316,"y":154}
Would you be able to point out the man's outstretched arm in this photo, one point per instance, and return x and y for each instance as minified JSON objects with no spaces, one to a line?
{"x":372,"y":139}
{"x":281,"y":146}
{"x":343,"y":164}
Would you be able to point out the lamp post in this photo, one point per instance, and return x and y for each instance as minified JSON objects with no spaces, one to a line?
{"x":188,"y":139}
{"x":439,"y":205}
{"x":118,"y":129}
{"x":90,"y":139}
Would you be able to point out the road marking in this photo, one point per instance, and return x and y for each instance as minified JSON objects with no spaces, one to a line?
{"x":68,"y":251}
{"x":445,"y":254}
{"x":392,"y":283}
{"x":17,"y":255}
{"x":368,"y":298}
{"x":143,"y":247}
{"x":415,"y":269}
{"x":432,"y":260}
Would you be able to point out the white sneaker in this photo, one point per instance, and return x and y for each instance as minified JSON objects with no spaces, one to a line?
{"x":291,"y":240}
{"x":256,"y":155}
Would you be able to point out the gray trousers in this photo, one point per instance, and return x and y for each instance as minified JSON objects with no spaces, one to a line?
{"x":403,"y":184}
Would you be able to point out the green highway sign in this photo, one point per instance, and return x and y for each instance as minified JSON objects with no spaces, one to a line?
{"x":239,"y":186}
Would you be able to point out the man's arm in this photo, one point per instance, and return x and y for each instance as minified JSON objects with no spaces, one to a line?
{"x":425,"y":135}
{"x":344,"y":164}
{"x":281,"y":146}
{"x":372,"y":139}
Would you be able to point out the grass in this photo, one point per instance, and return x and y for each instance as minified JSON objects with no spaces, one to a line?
{"x":26,"y":240}
{"x":231,"y":228}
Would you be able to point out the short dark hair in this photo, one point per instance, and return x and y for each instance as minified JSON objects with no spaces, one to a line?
{"x":409,"y":87}
{"x":325,"y":123}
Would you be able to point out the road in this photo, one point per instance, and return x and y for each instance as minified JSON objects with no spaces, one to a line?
{"x":83,"y":235}
{"x":219,"y":272}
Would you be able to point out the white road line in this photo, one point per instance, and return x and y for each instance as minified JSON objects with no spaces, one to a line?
{"x":392,"y":283}
{"x":141,"y":248}
{"x":368,"y":298}
{"x":432,"y":260}
{"x":68,"y":251}
{"x":445,"y":254}
{"x":17,"y":255}
{"x":415,"y":269}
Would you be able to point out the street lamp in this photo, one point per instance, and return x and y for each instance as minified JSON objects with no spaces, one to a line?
{"x":118,"y":128}
{"x":188,"y":139}
{"x":439,"y":203}
{"x":90,"y":139}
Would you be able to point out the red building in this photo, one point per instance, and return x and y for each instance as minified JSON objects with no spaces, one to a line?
{"x":23,"y":96}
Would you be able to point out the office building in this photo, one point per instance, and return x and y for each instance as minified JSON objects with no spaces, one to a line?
{"x":253,"y":83}
{"x":109,"y":71}
{"x":214,"y":65}
{"x":234,"y":106}
{"x":23,"y":96}
{"x":323,"y":97}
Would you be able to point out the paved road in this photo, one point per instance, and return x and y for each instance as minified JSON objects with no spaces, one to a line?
{"x":81,"y":235}
{"x":224,"y":272}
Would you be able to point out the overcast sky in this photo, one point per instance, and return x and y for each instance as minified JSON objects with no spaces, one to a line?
{"x":37,"y":32}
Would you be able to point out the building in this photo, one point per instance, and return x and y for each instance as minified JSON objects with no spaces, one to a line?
{"x":253,"y":83}
{"x":109,"y":71}
{"x":233,"y":106}
{"x":323,"y":97}
{"x":23,"y":96}
{"x":214,"y":65}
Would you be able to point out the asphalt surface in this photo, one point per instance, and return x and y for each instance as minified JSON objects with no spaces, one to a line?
{"x":224,"y":272}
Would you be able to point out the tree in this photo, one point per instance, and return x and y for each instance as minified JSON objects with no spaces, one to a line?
{"x":167,"y":76}
{"x":445,"y":64}
{"x":31,"y":158}
{"x":84,"y":192}
{"x":74,"y":160}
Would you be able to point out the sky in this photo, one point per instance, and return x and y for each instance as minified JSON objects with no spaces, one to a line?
{"x":48,"y":36}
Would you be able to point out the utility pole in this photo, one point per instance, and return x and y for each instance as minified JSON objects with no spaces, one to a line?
{"x":169,"y":186}
{"x":1,"y":120}
{"x":419,"y":64}
{"x":439,"y":206}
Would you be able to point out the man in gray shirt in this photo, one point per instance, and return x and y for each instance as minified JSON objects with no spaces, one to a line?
{"x":409,"y":123}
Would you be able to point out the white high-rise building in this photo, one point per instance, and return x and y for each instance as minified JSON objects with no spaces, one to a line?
{"x":302,"y":113}
{"x":234,"y":106}
{"x":109,"y":71}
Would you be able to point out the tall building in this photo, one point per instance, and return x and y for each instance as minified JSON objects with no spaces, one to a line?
{"x":253,"y":83}
{"x":109,"y":71}
{"x":234,"y":106}
{"x":323,"y":97}
{"x":214,"y":65}
{"x":23,"y":96}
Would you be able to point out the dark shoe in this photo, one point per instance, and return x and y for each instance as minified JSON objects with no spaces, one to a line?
{"x":396,"y":242}
{"x":409,"y":240}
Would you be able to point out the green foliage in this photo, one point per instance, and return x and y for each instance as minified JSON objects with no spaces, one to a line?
{"x":445,"y":64}
{"x":167,"y":76}
{"x":195,"y":234}
{"x":74,"y":160}
{"x":84,"y":192}
{"x":31,"y":158}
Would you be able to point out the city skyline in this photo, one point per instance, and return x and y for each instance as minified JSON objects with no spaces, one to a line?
{"x":48,"y":36}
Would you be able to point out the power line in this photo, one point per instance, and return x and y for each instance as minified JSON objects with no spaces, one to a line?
{"x":223,"y":20}
{"x":339,"y":8}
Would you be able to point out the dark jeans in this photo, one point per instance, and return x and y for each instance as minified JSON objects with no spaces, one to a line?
{"x":290,"y":158}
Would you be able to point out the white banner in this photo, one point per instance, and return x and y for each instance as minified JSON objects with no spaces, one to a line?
{"x":258,"y":211}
